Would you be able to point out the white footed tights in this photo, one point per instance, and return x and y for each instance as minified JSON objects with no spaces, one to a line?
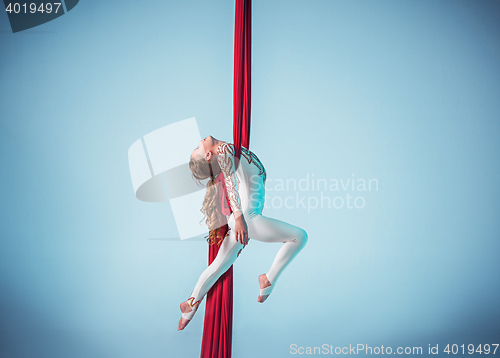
{"x":260,"y":228}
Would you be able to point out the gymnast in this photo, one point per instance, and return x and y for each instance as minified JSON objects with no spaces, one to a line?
{"x":245,"y":184}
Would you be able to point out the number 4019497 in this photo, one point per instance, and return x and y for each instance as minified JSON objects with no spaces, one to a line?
{"x":32,"y":8}
{"x":471,"y":349}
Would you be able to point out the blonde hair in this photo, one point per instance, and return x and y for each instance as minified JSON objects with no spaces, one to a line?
{"x":201,"y":170}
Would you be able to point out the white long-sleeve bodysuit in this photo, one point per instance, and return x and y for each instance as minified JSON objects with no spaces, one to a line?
{"x":246,"y":193}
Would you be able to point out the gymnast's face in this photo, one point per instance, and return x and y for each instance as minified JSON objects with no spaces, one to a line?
{"x":205,"y":148}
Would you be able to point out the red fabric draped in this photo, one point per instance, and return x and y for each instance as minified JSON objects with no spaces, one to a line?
{"x":242,"y":75}
{"x":218,"y":325}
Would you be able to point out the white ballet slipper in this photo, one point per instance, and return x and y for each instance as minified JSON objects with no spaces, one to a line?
{"x":194,"y":308}
{"x":189,"y":315}
{"x":266,"y":290}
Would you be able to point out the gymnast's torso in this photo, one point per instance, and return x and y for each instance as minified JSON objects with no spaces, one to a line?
{"x":246,"y":185}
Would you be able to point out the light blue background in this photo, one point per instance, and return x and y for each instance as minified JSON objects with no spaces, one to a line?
{"x":406,"y":92}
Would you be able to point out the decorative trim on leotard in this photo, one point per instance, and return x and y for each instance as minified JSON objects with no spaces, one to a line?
{"x":252,"y":158}
{"x":225,"y":158}
{"x":197,"y":303}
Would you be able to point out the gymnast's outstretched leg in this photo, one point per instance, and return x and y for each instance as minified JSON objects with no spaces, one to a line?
{"x":226,"y":256}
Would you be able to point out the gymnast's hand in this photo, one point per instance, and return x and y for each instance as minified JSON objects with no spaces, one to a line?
{"x":241,"y":229}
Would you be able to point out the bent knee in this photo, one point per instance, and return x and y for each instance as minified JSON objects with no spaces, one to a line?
{"x":302,"y":237}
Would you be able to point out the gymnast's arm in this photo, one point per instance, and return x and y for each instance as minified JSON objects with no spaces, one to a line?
{"x":226,"y":160}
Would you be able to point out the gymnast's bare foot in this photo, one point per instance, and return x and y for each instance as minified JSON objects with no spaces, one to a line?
{"x":185,"y":308}
{"x":263,"y":283}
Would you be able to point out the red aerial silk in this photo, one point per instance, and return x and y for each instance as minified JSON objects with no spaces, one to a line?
{"x":218,"y":325}
{"x":242,"y":75}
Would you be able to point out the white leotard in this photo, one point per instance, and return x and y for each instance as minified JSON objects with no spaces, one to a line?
{"x":246,"y":193}
{"x":246,"y":185}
